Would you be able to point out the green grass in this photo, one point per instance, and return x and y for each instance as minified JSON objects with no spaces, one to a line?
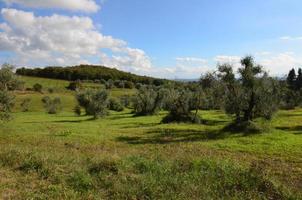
{"x":125,"y":157}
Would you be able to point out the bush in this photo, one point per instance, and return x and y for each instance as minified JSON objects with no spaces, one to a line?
{"x":109,"y":84}
{"x":52,"y":106}
{"x":94,"y":102}
{"x":180,"y":105}
{"x":148,"y":101}
{"x":129,"y":85}
{"x":125,"y":100}
{"x":7,"y":102}
{"x":8,"y":79}
{"x":25,"y":104}
{"x":37,"y":87}
{"x":115,"y":105}
{"x":74,"y":85}
{"x":51,"y":90}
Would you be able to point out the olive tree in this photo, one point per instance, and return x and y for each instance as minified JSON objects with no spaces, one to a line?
{"x":8,"y":81}
{"x":183,"y":105}
{"x":52,"y":106}
{"x":7,"y":101}
{"x":148,"y":100}
{"x":95,"y":102}
{"x":252,"y":95}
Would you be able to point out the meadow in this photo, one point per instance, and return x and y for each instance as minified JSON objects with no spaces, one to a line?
{"x":121,"y":156}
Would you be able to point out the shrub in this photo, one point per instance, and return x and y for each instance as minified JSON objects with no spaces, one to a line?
{"x":181,"y":103}
{"x":109,"y":84}
{"x":129,"y":85}
{"x":52,"y":106}
{"x":95,"y":102}
{"x":37,"y":87}
{"x":8,"y":80}
{"x":74,"y":85}
{"x":125,"y":100}
{"x":7,"y":102}
{"x":148,"y":101}
{"x":115,"y":105}
{"x":25,"y":104}
{"x":51,"y":90}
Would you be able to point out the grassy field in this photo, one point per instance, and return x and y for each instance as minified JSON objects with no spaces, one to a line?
{"x":125,"y":157}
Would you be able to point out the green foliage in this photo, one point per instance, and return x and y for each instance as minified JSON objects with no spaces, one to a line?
{"x":52,"y":106}
{"x":115,"y":105}
{"x":75,"y":85}
{"x":148,"y":100}
{"x":37,"y":87}
{"x":109,"y":84}
{"x":8,"y":80}
{"x":7,"y":102}
{"x":88,"y":72}
{"x":181,"y":103}
{"x":252,"y":95}
{"x":125,"y":101}
{"x":95,"y":102}
{"x":25,"y":103}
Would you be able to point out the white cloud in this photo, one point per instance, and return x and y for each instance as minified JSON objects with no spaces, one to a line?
{"x":290,"y":38}
{"x":74,"y":5}
{"x":280,"y":64}
{"x":134,"y":60}
{"x":63,"y":40}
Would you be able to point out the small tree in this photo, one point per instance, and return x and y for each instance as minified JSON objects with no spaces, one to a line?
{"x":52,"y":106}
{"x":125,"y":101}
{"x":181,"y":105}
{"x":25,"y":103}
{"x":37,"y":87}
{"x":252,"y":95}
{"x":75,"y":85}
{"x":129,"y":84}
{"x":115,"y":105}
{"x":8,"y":81}
{"x":95,"y":102}
{"x":148,"y":101}
{"x":7,"y":102}
{"x":109,"y":84}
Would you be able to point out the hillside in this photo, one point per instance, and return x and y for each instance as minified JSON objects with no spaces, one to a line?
{"x":88,"y":72}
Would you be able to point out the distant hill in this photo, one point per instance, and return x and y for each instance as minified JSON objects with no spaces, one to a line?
{"x":88,"y":72}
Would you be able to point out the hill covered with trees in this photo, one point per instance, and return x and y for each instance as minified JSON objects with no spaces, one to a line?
{"x":89,"y":72}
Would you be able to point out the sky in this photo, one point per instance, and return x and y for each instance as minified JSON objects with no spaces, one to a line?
{"x":161,"y":38}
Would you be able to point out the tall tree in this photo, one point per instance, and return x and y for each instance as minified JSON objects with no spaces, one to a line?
{"x":291,"y":79}
{"x":299,"y":79}
{"x":7,"y":82}
{"x":253,"y":94}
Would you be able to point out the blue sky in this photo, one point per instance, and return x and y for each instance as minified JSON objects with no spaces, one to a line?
{"x":170,"y":38}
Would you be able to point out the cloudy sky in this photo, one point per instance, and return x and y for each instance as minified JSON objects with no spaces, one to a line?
{"x":162,"y":38}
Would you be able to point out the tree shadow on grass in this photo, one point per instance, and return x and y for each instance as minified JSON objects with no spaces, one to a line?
{"x":166,"y":136}
{"x":62,"y":121}
{"x":296,"y":129}
{"x":210,"y":122}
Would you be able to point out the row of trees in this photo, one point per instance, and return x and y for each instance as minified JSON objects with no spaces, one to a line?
{"x":247,"y":94}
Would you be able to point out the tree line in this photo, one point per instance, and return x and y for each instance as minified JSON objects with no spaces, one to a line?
{"x":89,"y":72}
